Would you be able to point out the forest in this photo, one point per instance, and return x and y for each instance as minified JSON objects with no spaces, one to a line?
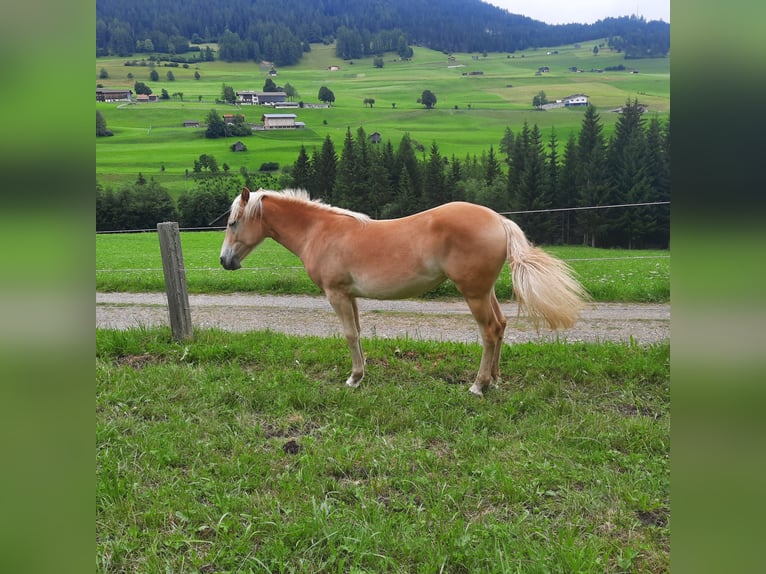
{"x":526,"y":173}
{"x":256,"y":30}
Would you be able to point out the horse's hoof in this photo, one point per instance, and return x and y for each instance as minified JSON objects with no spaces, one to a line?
{"x":352,"y":383}
{"x":476,"y":390}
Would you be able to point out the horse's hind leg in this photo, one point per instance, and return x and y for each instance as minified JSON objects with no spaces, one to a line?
{"x":499,"y":346}
{"x":346,"y":309}
{"x":492,"y":328}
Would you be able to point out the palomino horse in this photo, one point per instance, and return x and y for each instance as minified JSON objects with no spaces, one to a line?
{"x":349,"y":255}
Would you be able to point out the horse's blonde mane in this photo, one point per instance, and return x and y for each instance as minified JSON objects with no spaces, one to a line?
{"x":254,"y":204}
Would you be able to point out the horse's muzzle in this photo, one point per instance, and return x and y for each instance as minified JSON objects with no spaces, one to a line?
{"x":231,"y":263}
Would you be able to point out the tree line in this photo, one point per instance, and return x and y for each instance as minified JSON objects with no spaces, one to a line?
{"x":248,"y":30}
{"x":527,"y":173}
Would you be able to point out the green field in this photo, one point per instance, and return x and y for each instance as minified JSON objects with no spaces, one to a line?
{"x":246,"y":453}
{"x":471,"y":114}
{"x":132,"y":262}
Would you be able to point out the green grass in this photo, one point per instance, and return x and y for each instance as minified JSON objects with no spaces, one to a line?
{"x":149,"y":136}
{"x":132,"y":262}
{"x":245,"y":452}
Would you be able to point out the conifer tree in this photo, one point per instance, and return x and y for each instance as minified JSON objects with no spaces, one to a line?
{"x":567,"y":190}
{"x":405,"y":158}
{"x":325,"y":170}
{"x":302,"y":170}
{"x":533,"y":191}
{"x":591,"y":179}
{"x":492,"y":170}
{"x":345,"y":180}
{"x":433,"y":184}
{"x":630,"y":178}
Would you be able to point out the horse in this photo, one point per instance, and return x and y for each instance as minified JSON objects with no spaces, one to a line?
{"x":350,"y":255}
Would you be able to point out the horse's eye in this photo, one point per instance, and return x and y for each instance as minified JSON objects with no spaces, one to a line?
{"x":233,"y":225}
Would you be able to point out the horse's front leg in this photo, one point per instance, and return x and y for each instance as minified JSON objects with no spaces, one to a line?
{"x":346,"y":309}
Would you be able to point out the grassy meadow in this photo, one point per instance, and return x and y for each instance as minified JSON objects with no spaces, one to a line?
{"x":471,"y":114}
{"x":246,"y":453}
{"x":132,"y":262}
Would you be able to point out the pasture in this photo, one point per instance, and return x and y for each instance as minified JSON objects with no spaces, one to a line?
{"x":245,"y":452}
{"x":471,"y":114}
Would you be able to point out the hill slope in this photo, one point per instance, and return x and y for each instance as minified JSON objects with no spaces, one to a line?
{"x":264,"y":29}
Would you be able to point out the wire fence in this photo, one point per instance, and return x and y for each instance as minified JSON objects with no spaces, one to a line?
{"x":554,"y":210}
{"x":300,"y":268}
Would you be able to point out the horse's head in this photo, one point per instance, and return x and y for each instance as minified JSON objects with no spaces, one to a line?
{"x":244,"y":231}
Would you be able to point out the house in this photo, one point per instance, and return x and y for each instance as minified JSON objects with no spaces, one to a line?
{"x":238,"y":146}
{"x":141,"y":98}
{"x":261,"y":98}
{"x":106,"y":95}
{"x":280,"y":122}
{"x":543,"y":69}
{"x":374,"y":137}
{"x":191,"y":124}
{"x":333,"y":68}
{"x":576,"y":100}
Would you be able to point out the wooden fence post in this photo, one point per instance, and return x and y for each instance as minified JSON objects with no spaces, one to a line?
{"x":175,"y":280}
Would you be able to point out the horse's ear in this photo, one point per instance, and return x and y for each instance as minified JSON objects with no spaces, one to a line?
{"x":245,"y":195}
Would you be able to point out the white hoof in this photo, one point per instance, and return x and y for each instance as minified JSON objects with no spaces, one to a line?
{"x":476,"y":390}
{"x":351,"y":382}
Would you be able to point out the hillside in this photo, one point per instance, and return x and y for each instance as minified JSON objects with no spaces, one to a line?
{"x":254,"y":30}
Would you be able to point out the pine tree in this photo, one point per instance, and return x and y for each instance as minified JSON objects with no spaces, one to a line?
{"x":658,"y":168}
{"x":454,"y":177}
{"x":516,"y":165}
{"x":406,"y":159}
{"x":492,"y":168}
{"x":506,"y":144}
{"x":630,"y":178}
{"x":533,"y":191}
{"x":567,"y":189}
{"x":302,"y":170}
{"x":591,"y":178}
{"x":379,"y":191}
{"x":345,"y":180}
{"x":101,"y":129}
{"x":433,"y":184}
{"x":325,"y":170}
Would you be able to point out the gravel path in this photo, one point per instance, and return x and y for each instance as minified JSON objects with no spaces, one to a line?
{"x":644,"y":323}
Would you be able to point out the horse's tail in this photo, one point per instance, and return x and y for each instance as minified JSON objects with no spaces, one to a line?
{"x":544,"y":285}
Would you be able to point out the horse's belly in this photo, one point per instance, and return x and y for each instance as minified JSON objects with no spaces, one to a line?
{"x":394,"y":286}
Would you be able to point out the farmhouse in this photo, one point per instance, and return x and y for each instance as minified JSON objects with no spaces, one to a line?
{"x":261,"y":98}
{"x":147,"y":98}
{"x":280,"y":122}
{"x":576,"y":100}
{"x":230,"y":119}
{"x":106,"y":95}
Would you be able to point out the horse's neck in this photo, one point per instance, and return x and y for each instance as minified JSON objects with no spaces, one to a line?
{"x":290,"y":223}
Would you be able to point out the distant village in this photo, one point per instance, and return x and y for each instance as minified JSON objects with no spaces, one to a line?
{"x":268,"y":121}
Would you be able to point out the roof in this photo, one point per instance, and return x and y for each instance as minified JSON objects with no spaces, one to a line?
{"x":279,"y":116}
{"x":262,"y":93}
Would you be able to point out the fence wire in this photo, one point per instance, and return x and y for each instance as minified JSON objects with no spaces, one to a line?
{"x":555,"y":210}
